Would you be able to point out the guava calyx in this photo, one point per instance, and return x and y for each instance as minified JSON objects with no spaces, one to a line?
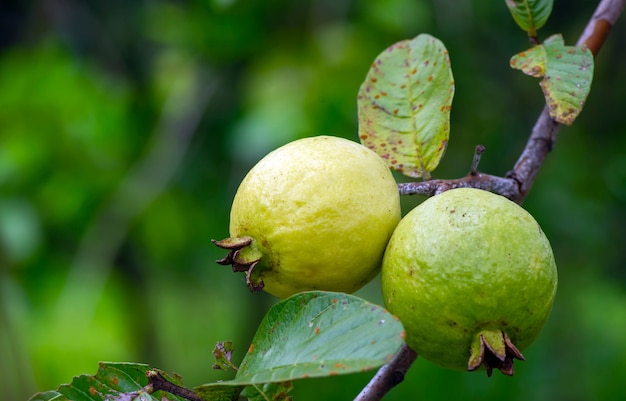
{"x":493,"y":349}
{"x":244,"y":258}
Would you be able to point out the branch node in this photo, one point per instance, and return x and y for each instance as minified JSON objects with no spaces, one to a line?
{"x":159,"y":383}
{"x":476,"y":160}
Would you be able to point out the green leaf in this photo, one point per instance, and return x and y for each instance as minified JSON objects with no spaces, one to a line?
{"x":530,"y":15}
{"x":404,"y":105}
{"x":219,"y":392}
{"x":269,"y":391}
{"x":112,"y":382}
{"x":317,"y":334}
{"x":567,"y":73}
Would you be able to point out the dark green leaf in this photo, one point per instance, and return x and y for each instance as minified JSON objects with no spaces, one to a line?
{"x":404,"y":105}
{"x":219,"y":392}
{"x":269,"y":391}
{"x":567,"y":73}
{"x":530,"y":15}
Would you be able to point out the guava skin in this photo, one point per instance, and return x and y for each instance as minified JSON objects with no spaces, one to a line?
{"x":467,"y":262}
{"x":320,"y":211}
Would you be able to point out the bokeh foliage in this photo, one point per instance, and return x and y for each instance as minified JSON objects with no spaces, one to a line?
{"x":125,"y":128}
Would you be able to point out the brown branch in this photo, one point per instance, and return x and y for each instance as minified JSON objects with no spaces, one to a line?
{"x":503,"y":186}
{"x":601,"y":22}
{"x":515,"y":185}
{"x":539,"y":144}
{"x":159,"y":383}
{"x":545,"y":131}
{"x":388,"y":376}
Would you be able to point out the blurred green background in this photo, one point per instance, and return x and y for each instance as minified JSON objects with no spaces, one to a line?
{"x":126,"y":126}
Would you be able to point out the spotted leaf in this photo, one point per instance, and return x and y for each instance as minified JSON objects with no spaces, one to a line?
{"x":317,"y":334}
{"x":115,"y":381}
{"x":567,"y":73}
{"x":404,"y":105}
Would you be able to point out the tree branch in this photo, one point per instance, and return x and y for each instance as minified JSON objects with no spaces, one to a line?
{"x":159,"y":383}
{"x":601,"y":22}
{"x":515,"y":185}
{"x":388,"y":376}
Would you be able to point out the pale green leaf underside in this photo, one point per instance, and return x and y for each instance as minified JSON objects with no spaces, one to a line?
{"x":567,"y":73}
{"x":530,"y":15}
{"x":404,"y":105}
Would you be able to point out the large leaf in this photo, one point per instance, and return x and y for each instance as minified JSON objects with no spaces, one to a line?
{"x":567,"y":73}
{"x":114,"y":382}
{"x":404,"y":105}
{"x":530,"y":15}
{"x":317,"y":333}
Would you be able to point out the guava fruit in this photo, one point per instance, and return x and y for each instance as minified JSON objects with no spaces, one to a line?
{"x":472,"y":277}
{"x":315,"y":214}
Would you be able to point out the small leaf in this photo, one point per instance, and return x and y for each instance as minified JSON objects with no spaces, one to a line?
{"x":316,"y":334}
{"x":112,"y":382}
{"x":567,"y":73}
{"x":530,"y":15}
{"x":404,"y":105}
{"x":223,"y":353}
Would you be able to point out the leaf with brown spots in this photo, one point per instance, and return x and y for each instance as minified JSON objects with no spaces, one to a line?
{"x":114,"y":381}
{"x":567,"y":73}
{"x":404,"y":105}
{"x":318,"y":334}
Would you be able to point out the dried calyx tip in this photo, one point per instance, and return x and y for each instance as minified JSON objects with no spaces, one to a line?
{"x":494,"y":350}
{"x":243,"y":258}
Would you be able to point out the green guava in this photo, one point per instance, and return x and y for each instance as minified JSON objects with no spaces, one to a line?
{"x":315,"y":214}
{"x":472,"y":277}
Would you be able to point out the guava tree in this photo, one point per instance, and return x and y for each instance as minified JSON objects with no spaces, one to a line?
{"x":404,"y":107}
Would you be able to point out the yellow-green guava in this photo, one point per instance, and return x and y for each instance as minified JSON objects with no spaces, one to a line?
{"x":315,"y":214}
{"x":472,"y":277}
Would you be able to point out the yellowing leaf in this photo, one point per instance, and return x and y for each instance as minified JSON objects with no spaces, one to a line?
{"x":567,"y":73}
{"x":404,"y":105}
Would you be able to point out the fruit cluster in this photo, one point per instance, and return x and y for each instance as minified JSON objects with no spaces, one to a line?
{"x":470,"y":274}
